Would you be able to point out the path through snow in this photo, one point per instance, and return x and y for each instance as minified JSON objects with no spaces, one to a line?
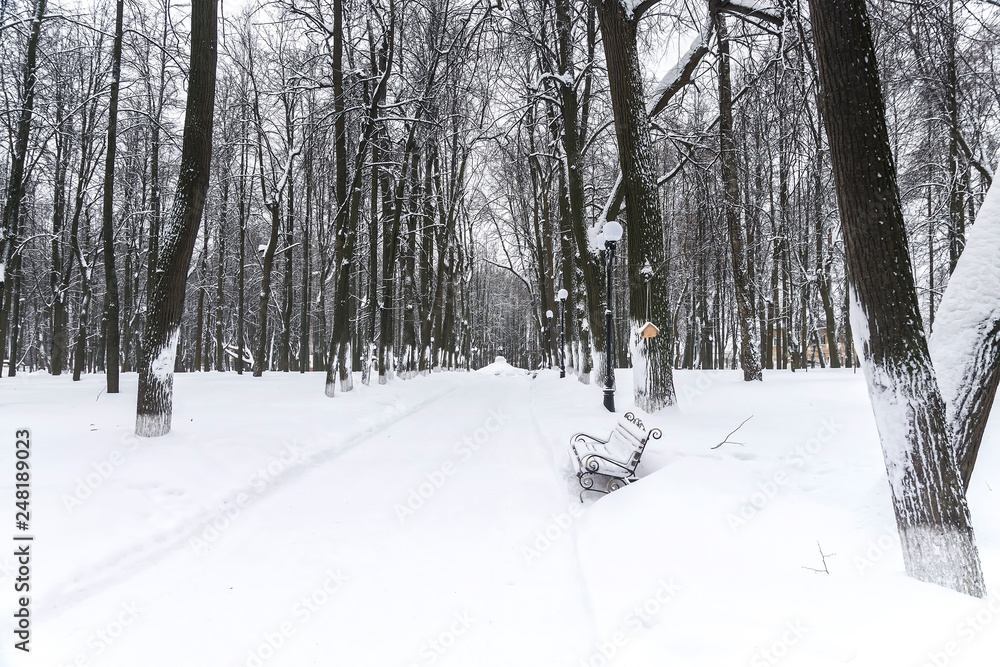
{"x":436,"y":522}
{"x":411,"y":541}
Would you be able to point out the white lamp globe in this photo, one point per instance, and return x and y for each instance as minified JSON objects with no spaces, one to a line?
{"x":612,"y":231}
{"x":562,"y":295}
{"x":548,"y":314}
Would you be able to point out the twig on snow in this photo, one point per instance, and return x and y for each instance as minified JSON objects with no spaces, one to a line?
{"x":825,"y":570}
{"x":727,"y":441}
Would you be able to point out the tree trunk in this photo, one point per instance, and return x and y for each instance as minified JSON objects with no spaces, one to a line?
{"x":80,"y":352}
{"x":16,"y":182}
{"x":372,"y":287}
{"x":242,"y":211}
{"x":848,"y":336}
{"x":57,"y":354}
{"x":965,"y":345}
{"x":220,"y":357}
{"x":260,"y":355}
{"x":931,"y":512}
{"x":349,"y":200}
{"x":155,"y":399}
{"x":568,"y":277}
{"x":956,"y":203}
{"x":306,"y":231}
{"x":200,"y":314}
{"x":287,"y":304}
{"x":390,"y":254}
{"x":155,"y":205}
{"x":112,"y":308}
{"x":15,"y":300}
{"x":343,"y":242}
{"x":749,"y":343}
{"x":575,"y":118}
{"x":651,"y":357}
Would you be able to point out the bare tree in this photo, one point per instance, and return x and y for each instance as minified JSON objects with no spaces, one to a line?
{"x":154,"y":406}
{"x":112,"y":307}
{"x":749,"y":339}
{"x":652,"y":358}
{"x":931,"y":512}
{"x":16,"y":179}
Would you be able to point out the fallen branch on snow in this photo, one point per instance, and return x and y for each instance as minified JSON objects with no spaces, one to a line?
{"x":726,"y":441}
{"x":822,"y":555}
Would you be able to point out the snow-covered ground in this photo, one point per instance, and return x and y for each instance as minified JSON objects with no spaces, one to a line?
{"x":436,"y":522}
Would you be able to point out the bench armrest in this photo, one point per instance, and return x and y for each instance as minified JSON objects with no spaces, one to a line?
{"x":592,"y":463}
{"x":583,"y":438}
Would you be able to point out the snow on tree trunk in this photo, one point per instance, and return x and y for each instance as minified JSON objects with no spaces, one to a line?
{"x":386,"y":365}
{"x":332,"y":369}
{"x":584,"y":354}
{"x":154,"y":405}
{"x":965,"y":345}
{"x":651,"y":357}
{"x":928,"y":499}
{"x":159,"y":385}
{"x":366,"y":364}
{"x":345,"y":367}
{"x":935,"y":528}
{"x":338,"y":369}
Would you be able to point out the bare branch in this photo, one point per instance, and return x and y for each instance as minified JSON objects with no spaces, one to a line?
{"x":726,"y":441}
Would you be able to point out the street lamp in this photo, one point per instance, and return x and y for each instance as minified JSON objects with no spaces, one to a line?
{"x":548,"y":336}
{"x":561,"y":297}
{"x":612,"y":233}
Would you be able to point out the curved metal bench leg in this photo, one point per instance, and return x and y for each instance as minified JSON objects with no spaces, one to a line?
{"x":616,"y":483}
{"x":586,"y":480}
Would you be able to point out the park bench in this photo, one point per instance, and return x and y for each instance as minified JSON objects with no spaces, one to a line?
{"x":615,"y":458}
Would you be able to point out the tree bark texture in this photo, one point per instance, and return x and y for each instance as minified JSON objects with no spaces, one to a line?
{"x":929,"y":502}
{"x":155,"y":399}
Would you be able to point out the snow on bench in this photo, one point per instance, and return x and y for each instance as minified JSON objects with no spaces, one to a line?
{"x":615,"y":458}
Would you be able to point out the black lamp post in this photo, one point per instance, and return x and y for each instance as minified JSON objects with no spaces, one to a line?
{"x":548,"y":336}
{"x":612,"y":234}
{"x":561,"y":297}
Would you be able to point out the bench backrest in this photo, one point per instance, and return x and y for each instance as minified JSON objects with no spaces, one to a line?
{"x":631,"y":435}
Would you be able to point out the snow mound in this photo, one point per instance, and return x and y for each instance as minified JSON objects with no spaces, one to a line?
{"x":501,"y":367}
